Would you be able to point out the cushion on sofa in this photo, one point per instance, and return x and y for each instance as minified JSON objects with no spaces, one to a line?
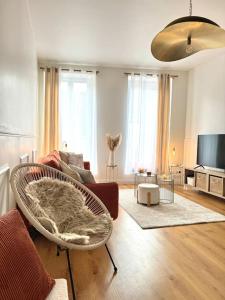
{"x":69,"y":171}
{"x":56,"y":154}
{"x":64,"y":156}
{"x":85,"y":175}
{"x":23,"y":275}
{"x":76,"y":160}
{"x":51,"y":161}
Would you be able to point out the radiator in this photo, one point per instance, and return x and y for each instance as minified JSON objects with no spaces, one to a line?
{"x":4,"y":189}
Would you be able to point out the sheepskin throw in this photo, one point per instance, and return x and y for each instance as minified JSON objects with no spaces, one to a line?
{"x":61,"y":209}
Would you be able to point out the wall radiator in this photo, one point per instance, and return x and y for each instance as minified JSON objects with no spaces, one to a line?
{"x":4,"y":189}
{"x":24,"y":158}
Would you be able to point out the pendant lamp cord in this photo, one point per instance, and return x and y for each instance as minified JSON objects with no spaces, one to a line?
{"x":190,"y":8}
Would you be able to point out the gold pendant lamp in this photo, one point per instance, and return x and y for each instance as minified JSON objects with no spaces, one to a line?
{"x":186,"y":36}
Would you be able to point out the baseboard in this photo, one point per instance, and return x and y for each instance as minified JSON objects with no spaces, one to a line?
{"x":119,"y":181}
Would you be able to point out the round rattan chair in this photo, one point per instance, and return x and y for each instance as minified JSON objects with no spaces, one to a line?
{"x":23,"y":174}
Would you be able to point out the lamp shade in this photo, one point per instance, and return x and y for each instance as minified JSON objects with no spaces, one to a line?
{"x":187,"y":36}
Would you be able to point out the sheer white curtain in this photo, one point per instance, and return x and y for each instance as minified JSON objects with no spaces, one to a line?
{"x":77,"y":107}
{"x":141,"y":123}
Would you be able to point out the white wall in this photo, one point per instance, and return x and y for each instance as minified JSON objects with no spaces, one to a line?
{"x":205,"y":104}
{"x":18,"y":73}
{"x":112,"y":111}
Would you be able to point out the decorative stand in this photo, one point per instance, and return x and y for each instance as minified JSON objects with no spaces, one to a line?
{"x":111,"y":173}
{"x":166,"y":189}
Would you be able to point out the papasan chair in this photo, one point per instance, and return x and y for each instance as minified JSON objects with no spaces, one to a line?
{"x":25,"y":175}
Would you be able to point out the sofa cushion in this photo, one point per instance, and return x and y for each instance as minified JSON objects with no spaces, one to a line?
{"x":76,"y":160}
{"x":69,"y":171}
{"x":56,"y":154}
{"x":85,"y":175}
{"x":64,"y":156}
{"x":23,"y":275}
{"x":51,"y":161}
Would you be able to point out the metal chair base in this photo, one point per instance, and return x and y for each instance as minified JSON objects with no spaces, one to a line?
{"x":70,"y":267}
{"x":71,"y":275}
{"x":110,"y":256}
{"x":70,"y":270}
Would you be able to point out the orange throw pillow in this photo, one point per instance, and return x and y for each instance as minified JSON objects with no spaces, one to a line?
{"x":22,"y":274}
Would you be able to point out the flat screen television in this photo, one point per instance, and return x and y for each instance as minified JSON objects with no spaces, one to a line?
{"x":211,"y":150}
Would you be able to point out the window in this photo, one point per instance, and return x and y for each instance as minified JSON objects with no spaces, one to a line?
{"x":77,"y":103}
{"x":141,"y":123}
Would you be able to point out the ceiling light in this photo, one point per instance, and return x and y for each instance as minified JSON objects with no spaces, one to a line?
{"x":186,"y":36}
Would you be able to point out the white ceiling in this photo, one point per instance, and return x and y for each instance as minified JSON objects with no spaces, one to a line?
{"x":114,"y":32}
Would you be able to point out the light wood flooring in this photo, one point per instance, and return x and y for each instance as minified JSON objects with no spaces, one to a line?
{"x":184,"y":262}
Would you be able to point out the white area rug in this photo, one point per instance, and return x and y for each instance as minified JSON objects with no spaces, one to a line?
{"x":181,"y":212}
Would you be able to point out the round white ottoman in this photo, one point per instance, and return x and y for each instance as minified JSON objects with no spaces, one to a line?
{"x":148,"y":193}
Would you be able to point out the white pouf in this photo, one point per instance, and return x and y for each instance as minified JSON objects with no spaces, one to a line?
{"x":148,"y":193}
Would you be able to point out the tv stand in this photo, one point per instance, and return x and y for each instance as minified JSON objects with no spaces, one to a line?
{"x":207,"y":181}
{"x":199,"y":166}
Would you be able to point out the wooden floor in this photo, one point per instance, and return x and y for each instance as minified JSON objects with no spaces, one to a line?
{"x":184,"y":262}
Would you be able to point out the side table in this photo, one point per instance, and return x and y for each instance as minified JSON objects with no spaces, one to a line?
{"x":143,"y":178}
{"x":111,"y":172}
{"x":166,"y":189}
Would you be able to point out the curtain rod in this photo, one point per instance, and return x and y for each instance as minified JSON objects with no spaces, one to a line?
{"x":149,"y":74}
{"x":66,"y":69}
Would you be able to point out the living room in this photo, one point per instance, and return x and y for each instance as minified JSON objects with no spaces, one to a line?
{"x":89,"y":77}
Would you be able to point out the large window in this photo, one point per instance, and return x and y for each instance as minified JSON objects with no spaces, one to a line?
{"x":141,"y":123}
{"x":77,"y":103}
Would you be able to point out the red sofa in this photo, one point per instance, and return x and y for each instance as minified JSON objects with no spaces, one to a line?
{"x":108,"y":192}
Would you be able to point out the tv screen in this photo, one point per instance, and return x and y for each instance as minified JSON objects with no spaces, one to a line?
{"x":211,"y":150}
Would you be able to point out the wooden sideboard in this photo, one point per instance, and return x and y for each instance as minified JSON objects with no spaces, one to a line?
{"x":207,"y":181}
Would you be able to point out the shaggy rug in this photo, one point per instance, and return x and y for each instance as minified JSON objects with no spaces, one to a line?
{"x":181,"y":212}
